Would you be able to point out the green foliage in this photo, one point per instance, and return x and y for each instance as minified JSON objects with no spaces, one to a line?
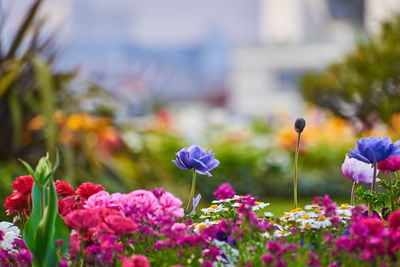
{"x":44,"y":225}
{"x":365,"y":85}
{"x":382,"y":198}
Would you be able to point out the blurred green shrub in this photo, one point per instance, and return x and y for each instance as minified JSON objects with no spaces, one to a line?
{"x":365,"y":85}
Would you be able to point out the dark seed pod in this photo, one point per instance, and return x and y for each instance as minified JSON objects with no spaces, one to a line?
{"x":299,"y":125}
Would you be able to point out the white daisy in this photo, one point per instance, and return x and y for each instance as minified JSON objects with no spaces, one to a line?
{"x":322,"y":221}
{"x":312,"y":206}
{"x":268,"y":214}
{"x":344,"y":209}
{"x":260,"y":205}
{"x":280,"y":233}
{"x":305,"y":219}
{"x":214,"y":208}
{"x":315,"y":213}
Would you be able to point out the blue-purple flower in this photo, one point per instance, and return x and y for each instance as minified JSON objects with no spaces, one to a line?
{"x":196,"y":157}
{"x":374,"y":149}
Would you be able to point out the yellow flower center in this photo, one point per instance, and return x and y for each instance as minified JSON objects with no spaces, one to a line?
{"x":202,"y":226}
{"x":317,"y":211}
{"x":321,"y":219}
{"x":217,"y":221}
{"x":344,"y":206}
{"x":258,"y":202}
{"x":195,"y":224}
{"x":315,"y":205}
{"x":307,"y":225}
{"x":213,"y":206}
{"x":286,"y":215}
{"x":306,"y":217}
{"x":282,"y":232}
{"x":296,"y":210}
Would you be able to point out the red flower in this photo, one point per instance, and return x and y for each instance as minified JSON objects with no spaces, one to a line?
{"x":85,"y":190}
{"x":135,"y":261}
{"x":23,"y":184}
{"x":63,"y":188}
{"x":391,"y":164}
{"x":82,"y":219}
{"x":17,"y":202}
{"x":394,"y":220}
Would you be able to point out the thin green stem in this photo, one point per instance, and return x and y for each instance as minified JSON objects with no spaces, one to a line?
{"x":192,"y":190}
{"x":352,"y":193}
{"x":391,"y":191}
{"x":296,"y":159}
{"x":373,"y":186}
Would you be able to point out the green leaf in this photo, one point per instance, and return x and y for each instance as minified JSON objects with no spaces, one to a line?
{"x":46,"y":230}
{"x":29,"y":168}
{"x":32,"y":223}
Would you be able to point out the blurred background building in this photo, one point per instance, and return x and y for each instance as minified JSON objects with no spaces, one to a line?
{"x":246,"y":56}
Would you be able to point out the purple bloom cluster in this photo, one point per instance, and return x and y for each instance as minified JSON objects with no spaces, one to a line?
{"x":18,"y":256}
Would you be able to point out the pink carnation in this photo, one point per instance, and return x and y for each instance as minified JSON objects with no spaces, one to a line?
{"x":82,"y":219}
{"x":97,"y":201}
{"x":171,"y":205}
{"x":115,"y":200}
{"x":139,"y":202}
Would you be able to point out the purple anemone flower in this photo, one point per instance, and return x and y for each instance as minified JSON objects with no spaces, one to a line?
{"x":358,"y":171}
{"x":374,"y":149}
{"x":196,"y":157}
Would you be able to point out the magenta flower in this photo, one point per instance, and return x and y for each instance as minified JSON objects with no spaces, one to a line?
{"x":195,"y":157}
{"x":357,"y":171}
{"x":391,"y":164}
{"x":225,"y":190}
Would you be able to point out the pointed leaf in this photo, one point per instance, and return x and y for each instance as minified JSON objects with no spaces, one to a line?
{"x":32,"y":223}
{"x":29,"y":169}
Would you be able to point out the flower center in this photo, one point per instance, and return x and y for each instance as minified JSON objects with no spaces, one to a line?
{"x":321,"y":219}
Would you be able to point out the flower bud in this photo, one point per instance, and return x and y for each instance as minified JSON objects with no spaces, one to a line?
{"x":299,"y":125}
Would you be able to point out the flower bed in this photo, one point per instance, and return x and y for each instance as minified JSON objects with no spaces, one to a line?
{"x":89,"y":226}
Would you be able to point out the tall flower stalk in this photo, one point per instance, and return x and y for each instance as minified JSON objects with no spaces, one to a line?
{"x":299,"y":127}
{"x":391,"y":192}
{"x":192,"y":189}
{"x":373,"y":187}
{"x":352,"y":194}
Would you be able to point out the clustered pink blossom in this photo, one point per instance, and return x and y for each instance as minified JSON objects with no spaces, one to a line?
{"x":225,"y":190}
{"x":370,"y":238}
